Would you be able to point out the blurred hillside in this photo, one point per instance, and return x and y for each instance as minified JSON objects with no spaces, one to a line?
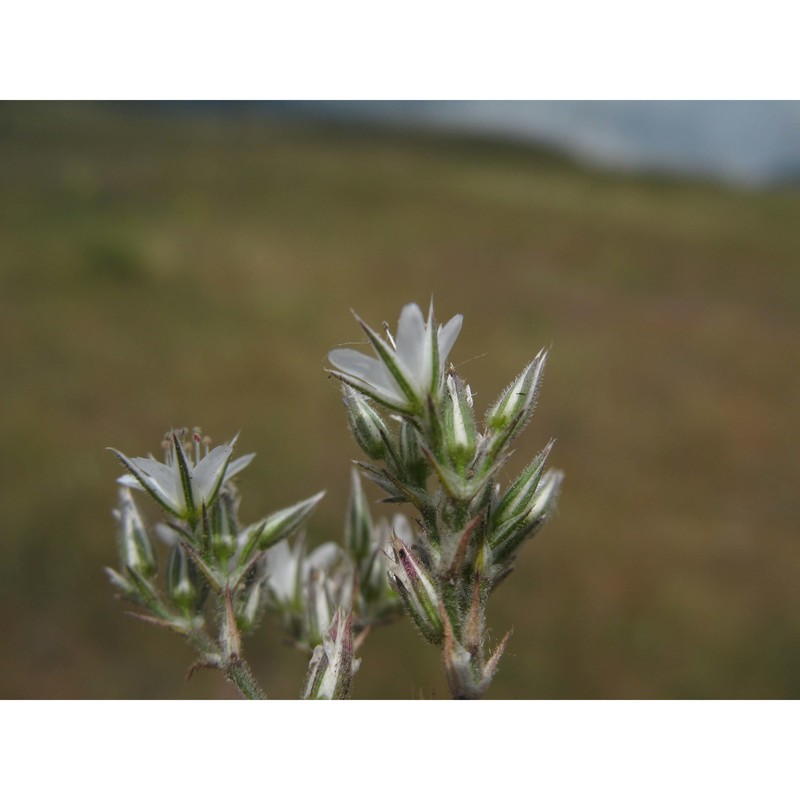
{"x":162,"y":269}
{"x":744,"y":143}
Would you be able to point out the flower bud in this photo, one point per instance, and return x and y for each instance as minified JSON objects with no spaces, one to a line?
{"x":459,"y":423}
{"x":279,"y":525}
{"x":224,"y":527}
{"x":136,"y":549}
{"x":413,"y":462}
{"x":546,"y":495}
{"x":467,"y":675}
{"x":505,"y":542}
{"x":318,"y":607}
{"x":253,"y":606}
{"x":367,"y":427}
{"x":515,"y":405}
{"x":121,"y":583}
{"x":182,"y":580}
{"x":358,"y":524}
{"x":332,"y":666}
{"x":459,"y":668}
{"x":517,"y":500}
{"x":415,"y":586}
{"x":378,"y":477}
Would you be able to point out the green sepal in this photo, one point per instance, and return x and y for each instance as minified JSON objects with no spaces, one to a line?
{"x":387,"y":355}
{"x":186,"y":480}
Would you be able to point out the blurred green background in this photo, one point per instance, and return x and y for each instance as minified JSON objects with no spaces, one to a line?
{"x":193,"y":266}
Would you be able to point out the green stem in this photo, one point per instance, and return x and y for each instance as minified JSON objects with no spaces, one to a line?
{"x":236,"y":670}
{"x":238,"y":673}
{"x":449,"y":594}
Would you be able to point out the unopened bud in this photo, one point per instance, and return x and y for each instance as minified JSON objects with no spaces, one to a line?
{"x":415,"y":586}
{"x":253,"y":606}
{"x":518,"y":400}
{"x":459,"y":423}
{"x":505,"y":541}
{"x":459,"y":666}
{"x":546,"y":495}
{"x":332,"y":666}
{"x":279,"y":525}
{"x":367,"y":427}
{"x":413,"y":461}
{"x":121,"y":583}
{"x":519,"y":497}
{"x":136,"y":549}
{"x":318,"y":607}
{"x":182,"y":579}
{"x":358,"y":524}
{"x":224,"y":529}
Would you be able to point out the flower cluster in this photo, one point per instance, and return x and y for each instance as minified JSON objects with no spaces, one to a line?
{"x":413,"y":416}
{"x":218,"y":574}
{"x":220,"y":569}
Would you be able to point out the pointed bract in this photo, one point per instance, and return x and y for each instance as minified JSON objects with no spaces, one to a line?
{"x":280,"y":524}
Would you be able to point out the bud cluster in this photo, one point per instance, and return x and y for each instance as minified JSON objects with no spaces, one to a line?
{"x":307,"y":589}
{"x":414,"y":418}
{"x":249,"y":569}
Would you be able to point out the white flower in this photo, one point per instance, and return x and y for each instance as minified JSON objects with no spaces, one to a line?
{"x":408,"y":371}
{"x":288,"y":568}
{"x":186,"y":481}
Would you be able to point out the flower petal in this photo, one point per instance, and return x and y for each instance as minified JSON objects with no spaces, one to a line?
{"x":431,"y":359}
{"x":323,"y":557}
{"x":369,"y":372}
{"x":411,"y":341}
{"x":281,"y":570}
{"x":159,"y":479}
{"x":399,"y":371}
{"x":390,"y":400}
{"x":237,"y":465}
{"x":208,"y":474}
{"x":448,"y":335}
{"x":365,"y":368}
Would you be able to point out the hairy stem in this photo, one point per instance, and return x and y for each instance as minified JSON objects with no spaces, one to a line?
{"x":238,"y":672}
